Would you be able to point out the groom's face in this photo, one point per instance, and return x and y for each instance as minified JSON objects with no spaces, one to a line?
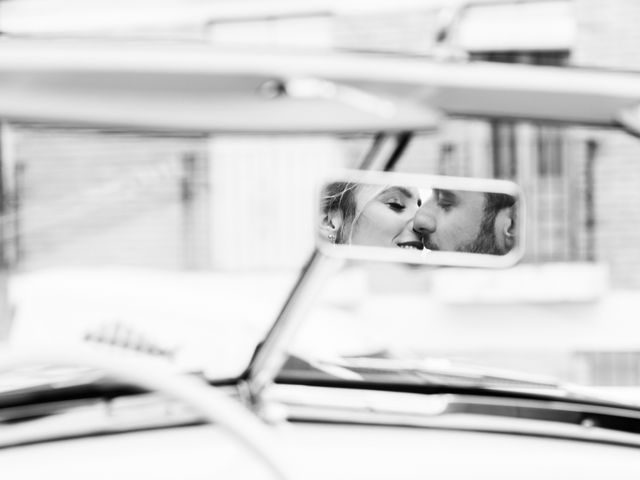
{"x":457,"y":221}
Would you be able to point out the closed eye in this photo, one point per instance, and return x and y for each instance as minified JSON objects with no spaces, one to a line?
{"x":397,"y":198}
{"x":395,"y":205}
{"x":445,"y":199}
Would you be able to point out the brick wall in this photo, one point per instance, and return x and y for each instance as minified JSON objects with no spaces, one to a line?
{"x":411,"y":32}
{"x":608,"y":36}
{"x":90,"y":198}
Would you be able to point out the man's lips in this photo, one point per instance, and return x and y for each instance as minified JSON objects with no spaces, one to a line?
{"x":427,"y":244}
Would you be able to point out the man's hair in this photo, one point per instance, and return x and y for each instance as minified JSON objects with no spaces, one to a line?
{"x":486,"y":241}
{"x":494,"y":202}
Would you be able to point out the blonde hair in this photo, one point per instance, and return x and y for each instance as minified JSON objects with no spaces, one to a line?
{"x":342,"y":197}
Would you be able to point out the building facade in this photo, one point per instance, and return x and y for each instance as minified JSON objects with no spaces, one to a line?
{"x":581,"y":183}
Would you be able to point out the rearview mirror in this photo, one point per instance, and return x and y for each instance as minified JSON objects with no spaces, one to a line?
{"x":421,"y":219}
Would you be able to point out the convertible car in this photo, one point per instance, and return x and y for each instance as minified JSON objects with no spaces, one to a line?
{"x":352,"y":362}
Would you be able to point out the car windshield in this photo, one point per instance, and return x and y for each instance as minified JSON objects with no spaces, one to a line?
{"x":185,"y":248}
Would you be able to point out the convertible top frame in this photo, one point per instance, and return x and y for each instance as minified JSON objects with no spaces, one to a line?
{"x":199,"y":88}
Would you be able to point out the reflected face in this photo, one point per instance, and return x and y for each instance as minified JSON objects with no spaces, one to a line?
{"x":385,"y":218}
{"x":452,"y":220}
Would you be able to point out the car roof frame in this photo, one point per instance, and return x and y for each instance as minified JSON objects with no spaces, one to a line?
{"x":200,"y":88}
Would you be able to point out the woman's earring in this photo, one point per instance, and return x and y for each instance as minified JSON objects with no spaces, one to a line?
{"x":332,"y":238}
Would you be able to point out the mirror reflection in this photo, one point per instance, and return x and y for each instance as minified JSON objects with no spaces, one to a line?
{"x":427,"y":219}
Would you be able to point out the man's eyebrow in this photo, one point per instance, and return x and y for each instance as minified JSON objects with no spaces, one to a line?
{"x":443,"y":191}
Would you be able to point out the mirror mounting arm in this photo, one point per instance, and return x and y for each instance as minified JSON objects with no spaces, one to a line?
{"x":402,"y":142}
{"x":271,"y":355}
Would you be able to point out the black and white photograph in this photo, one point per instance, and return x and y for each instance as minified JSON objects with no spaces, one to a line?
{"x":319,"y":239}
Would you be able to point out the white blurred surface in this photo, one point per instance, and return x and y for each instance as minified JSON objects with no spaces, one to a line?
{"x":213,"y":321}
{"x":325,"y":452}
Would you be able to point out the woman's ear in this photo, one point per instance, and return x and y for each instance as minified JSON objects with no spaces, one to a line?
{"x":505,"y":229}
{"x":330,"y":225}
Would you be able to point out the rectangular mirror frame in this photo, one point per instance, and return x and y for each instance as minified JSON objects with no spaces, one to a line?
{"x":440,"y":258}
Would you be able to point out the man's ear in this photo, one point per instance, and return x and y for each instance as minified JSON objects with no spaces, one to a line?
{"x":330,"y":225}
{"x":505,"y":229}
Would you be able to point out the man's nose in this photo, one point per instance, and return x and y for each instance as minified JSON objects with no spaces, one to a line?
{"x":424,"y":223}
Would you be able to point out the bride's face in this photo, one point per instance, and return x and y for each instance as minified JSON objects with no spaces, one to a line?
{"x":385,"y":218}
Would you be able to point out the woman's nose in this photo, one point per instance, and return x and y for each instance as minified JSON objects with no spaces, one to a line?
{"x":424,"y":222}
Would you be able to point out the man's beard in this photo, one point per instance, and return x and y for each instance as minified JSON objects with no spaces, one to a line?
{"x":485,"y":242}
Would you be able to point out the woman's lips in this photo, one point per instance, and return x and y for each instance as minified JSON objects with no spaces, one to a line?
{"x":415,"y":245}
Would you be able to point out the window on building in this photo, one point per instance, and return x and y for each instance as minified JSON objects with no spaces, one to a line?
{"x":539,"y":157}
